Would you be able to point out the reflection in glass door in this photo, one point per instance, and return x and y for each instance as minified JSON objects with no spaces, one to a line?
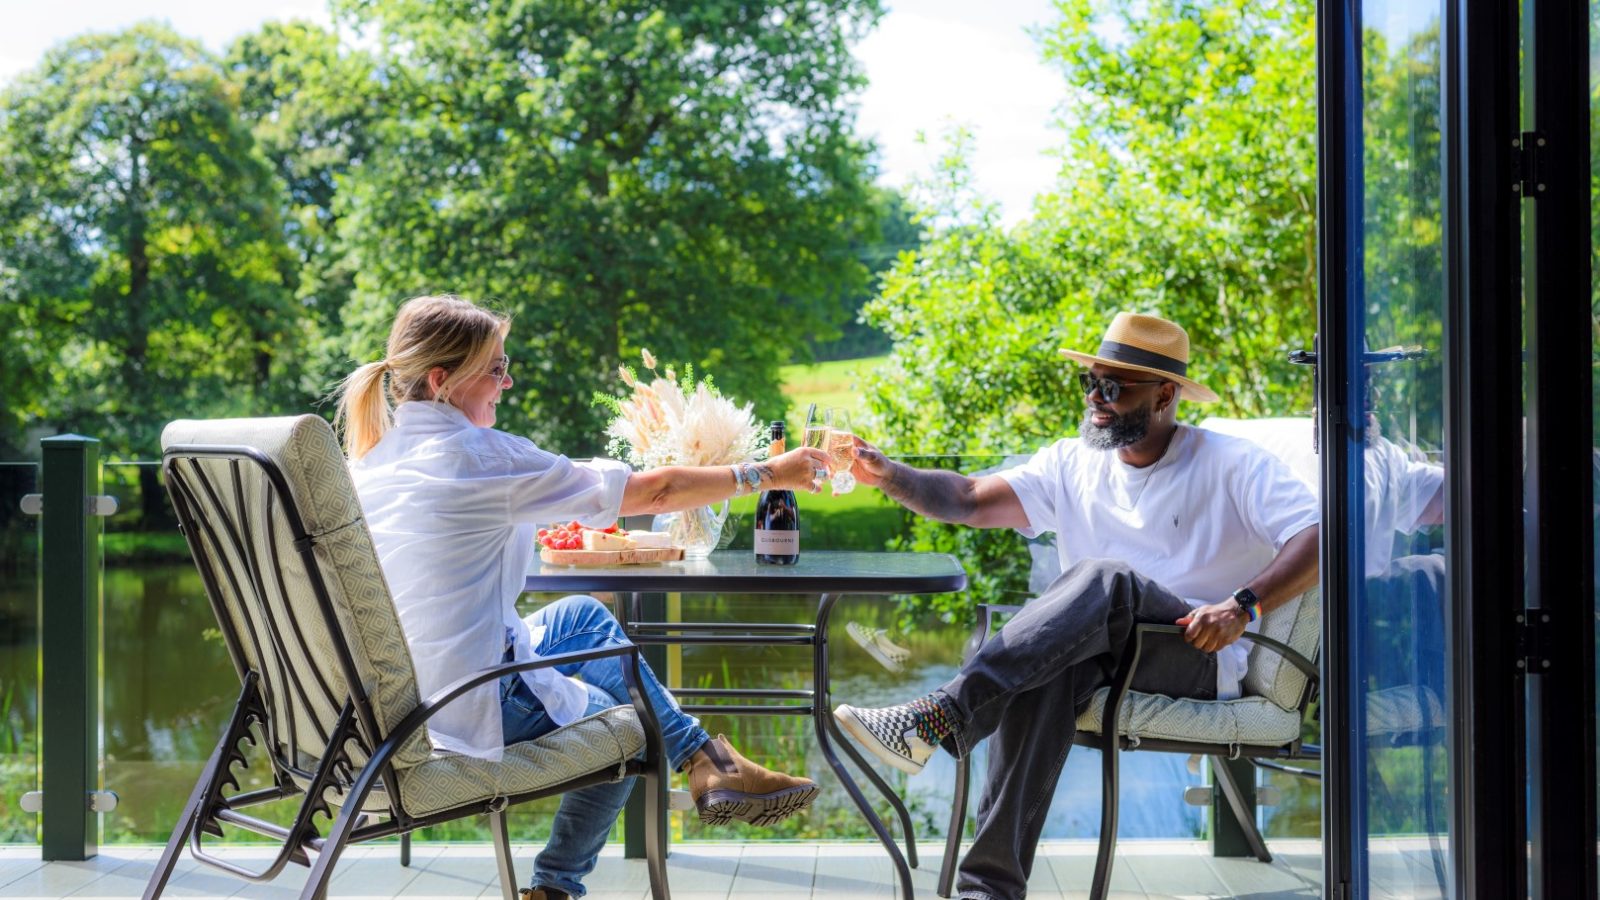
{"x":1397,"y":572}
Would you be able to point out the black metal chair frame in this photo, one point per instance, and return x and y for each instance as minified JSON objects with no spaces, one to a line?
{"x":208,"y":808}
{"x":1110,"y":742}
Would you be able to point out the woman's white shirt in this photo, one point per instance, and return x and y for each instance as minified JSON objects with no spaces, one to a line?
{"x":454,"y":510}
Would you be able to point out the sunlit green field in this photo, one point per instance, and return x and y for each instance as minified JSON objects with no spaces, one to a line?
{"x":834,"y":383}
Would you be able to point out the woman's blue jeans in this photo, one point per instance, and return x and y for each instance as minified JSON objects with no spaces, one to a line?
{"x":584,"y":819}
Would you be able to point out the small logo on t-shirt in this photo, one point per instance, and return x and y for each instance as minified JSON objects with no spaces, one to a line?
{"x":1174,"y":521}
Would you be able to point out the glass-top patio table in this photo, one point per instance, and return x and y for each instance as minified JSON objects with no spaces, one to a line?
{"x":827,"y":574}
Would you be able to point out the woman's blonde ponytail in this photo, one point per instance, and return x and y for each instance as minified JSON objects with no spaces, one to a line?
{"x":363,"y":415}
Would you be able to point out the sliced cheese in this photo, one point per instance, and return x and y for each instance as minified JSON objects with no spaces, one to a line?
{"x":599,"y":540}
{"x":651,"y":540}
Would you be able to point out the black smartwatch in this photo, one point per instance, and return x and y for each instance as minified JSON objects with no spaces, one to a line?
{"x":1248,"y":601}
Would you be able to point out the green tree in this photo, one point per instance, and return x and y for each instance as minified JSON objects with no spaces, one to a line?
{"x":678,"y":176}
{"x":897,"y":234}
{"x":142,"y":243}
{"x":1187,"y":189}
{"x":311,"y":106}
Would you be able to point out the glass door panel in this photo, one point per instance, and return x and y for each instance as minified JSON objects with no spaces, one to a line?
{"x":1398,"y":565}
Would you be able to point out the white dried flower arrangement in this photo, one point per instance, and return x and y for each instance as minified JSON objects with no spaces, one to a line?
{"x":668,"y":421}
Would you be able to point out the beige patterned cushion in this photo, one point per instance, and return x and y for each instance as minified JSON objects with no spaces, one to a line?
{"x":305,"y":450}
{"x":604,"y":740}
{"x":1247,"y":720}
{"x":448,"y":780}
{"x":1297,"y":623}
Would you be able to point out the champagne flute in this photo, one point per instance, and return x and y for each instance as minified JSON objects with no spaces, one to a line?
{"x":841,"y":448}
{"x":815,"y":436}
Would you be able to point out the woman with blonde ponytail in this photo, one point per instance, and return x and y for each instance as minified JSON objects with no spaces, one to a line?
{"x":454,"y":505}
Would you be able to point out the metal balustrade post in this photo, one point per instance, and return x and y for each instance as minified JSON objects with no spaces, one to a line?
{"x":69,"y":695}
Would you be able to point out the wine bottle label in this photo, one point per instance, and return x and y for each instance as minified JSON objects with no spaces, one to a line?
{"x":777,"y":543}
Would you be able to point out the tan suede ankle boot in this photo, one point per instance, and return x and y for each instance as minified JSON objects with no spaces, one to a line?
{"x":726,"y":787}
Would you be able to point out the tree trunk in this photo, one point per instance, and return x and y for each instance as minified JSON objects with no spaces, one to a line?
{"x":153,"y":512}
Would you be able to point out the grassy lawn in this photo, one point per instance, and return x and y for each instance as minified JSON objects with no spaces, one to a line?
{"x":826,"y":384}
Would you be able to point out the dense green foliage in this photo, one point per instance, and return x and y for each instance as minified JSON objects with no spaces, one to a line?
{"x":143,"y":272}
{"x":183,"y":235}
{"x":1187,"y":189}
{"x":617,"y":175}
{"x":312,"y":107}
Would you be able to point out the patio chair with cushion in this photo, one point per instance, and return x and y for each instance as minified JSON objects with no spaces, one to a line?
{"x":328,"y":692}
{"x":1262,"y":724}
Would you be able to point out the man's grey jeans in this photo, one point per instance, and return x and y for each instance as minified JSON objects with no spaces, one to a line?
{"x":1024,"y":688}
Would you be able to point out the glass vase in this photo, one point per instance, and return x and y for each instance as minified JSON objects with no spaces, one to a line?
{"x":697,"y":530}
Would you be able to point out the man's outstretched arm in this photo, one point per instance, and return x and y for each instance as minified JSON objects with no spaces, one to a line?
{"x":983,"y":502}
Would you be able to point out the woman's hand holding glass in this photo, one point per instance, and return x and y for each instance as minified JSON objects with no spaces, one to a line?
{"x":797,"y":470}
{"x":829,"y":431}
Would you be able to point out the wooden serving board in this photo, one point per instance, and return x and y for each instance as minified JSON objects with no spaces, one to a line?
{"x":609,"y":557}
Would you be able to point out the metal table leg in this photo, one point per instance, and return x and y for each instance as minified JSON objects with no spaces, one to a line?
{"x":632,"y":607}
{"x":635,"y":608}
{"x":823,"y":713}
{"x":838,"y":736}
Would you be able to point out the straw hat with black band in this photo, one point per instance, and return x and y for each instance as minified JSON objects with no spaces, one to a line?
{"x":1147,"y":344}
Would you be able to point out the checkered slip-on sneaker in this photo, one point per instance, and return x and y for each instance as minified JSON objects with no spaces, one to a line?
{"x":890,"y":733}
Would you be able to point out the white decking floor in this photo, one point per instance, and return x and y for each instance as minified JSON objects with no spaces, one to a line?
{"x":697,"y":871}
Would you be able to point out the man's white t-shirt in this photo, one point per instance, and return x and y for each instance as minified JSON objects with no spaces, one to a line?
{"x":1201,"y":521}
{"x":454,"y":510}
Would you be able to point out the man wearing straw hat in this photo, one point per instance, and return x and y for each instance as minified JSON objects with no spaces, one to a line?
{"x":1155,"y":521}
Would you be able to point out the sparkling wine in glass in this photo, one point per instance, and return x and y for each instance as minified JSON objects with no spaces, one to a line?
{"x":816,"y":432}
{"x":841,"y":449}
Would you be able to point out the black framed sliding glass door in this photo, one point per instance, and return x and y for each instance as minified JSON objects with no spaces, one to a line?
{"x":1461,"y":340}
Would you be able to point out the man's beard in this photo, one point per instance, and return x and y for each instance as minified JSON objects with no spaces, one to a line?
{"x":1122,"y":431}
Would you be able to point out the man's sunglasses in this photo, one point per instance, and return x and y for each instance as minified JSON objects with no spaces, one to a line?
{"x":1109,"y":389}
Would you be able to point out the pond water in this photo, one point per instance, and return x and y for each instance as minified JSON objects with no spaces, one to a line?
{"x":169,"y":686}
